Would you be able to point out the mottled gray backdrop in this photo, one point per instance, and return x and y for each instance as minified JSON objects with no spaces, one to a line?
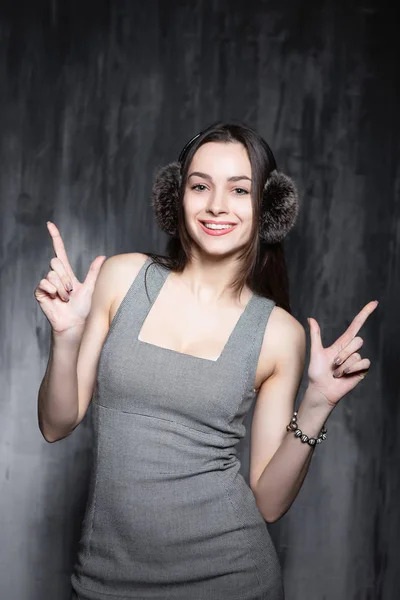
{"x":94,"y":97}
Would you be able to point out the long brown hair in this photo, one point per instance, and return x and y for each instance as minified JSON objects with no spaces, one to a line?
{"x":262,"y":266}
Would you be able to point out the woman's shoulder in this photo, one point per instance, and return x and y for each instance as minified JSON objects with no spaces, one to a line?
{"x":284,"y":323}
{"x":284,"y":338}
{"x":120,"y":270}
{"x":285,"y":330}
{"x":284,"y":343}
{"x":123,"y":267}
{"x":128,"y":260}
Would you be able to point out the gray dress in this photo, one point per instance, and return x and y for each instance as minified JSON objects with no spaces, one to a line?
{"x":169,"y":516}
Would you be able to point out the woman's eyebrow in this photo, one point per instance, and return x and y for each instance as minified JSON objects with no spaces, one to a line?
{"x":206,"y":176}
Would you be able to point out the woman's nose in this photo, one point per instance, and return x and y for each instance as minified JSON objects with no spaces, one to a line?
{"x":217,"y":200}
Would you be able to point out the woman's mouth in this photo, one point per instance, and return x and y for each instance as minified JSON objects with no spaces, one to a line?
{"x":214,"y":229}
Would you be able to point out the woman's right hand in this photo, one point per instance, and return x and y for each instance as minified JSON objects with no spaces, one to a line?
{"x":66,"y":310}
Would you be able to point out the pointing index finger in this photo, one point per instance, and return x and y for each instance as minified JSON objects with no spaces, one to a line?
{"x":356,"y":324}
{"x":59,"y":247}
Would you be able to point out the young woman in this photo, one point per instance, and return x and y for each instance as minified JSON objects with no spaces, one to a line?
{"x":174,"y":351}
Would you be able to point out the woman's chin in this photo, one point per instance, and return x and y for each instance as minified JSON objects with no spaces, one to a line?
{"x":220,"y":251}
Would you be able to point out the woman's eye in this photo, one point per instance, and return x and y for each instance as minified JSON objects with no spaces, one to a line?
{"x":200,"y":187}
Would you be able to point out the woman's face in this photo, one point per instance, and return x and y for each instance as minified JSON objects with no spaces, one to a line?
{"x":218,"y":188}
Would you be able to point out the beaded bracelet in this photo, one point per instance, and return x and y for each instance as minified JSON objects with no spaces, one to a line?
{"x":304,"y":438}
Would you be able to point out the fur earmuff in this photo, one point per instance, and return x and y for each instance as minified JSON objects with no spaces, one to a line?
{"x":279,"y":208}
{"x":165,"y":197}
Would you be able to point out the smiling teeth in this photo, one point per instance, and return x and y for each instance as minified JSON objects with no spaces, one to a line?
{"x":213,"y":226}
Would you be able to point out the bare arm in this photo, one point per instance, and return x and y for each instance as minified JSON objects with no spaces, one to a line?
{"x":283,"y":476}
{"x":80,"y":323}
{"x":279,"y":461}
{"x":68,"y":384}
{"x":58,"y":405}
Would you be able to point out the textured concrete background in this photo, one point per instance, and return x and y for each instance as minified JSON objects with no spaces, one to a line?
{"x":94,"y":97}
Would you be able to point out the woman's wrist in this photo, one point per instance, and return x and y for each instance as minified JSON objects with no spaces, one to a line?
{"x":312,"y":413}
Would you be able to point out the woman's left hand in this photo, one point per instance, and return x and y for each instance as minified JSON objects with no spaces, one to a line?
{"x":331,"y":380}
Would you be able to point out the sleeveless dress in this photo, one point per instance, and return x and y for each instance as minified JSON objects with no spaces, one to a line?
{"x":169,"y":516}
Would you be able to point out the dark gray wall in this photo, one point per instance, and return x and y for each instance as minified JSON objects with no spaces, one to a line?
{"x":94,"y":96}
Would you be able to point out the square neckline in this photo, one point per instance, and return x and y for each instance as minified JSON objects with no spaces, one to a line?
{"x":185,"y":354}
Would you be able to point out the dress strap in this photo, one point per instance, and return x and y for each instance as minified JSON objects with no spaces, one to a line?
{"x":261,"y":311}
